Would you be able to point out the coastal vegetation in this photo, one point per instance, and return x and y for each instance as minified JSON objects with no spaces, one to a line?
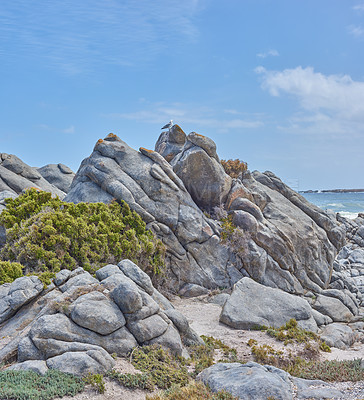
{"x":45,"y":235}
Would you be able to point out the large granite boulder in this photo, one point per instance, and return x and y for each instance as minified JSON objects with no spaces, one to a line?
{"x":58,"y":175}
{"x":252,"y":381}
{"x":16,"y":176}
{"x":251,"y":305}
{"x":80,"y":321}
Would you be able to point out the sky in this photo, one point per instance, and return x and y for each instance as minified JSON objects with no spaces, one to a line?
{"x":278,"y":84}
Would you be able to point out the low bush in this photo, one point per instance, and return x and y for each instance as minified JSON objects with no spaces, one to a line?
{"x":28,"y":385}
{"x":45,"y":234}
{"x":133,"y":381}
{"x":9,"y":271}
{"x":234,"y":167}
{"x":193,"y":391}
{"x":163,"y":368}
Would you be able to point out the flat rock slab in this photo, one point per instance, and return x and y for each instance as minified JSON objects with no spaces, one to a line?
{"x":249,"y":381}
{"x":252,"y":304}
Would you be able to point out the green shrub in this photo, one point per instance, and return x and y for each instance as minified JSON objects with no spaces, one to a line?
{"x":96,"y":381}
{"x":28,"y":385}
{"x":9,"y":271}
{"x":193,"y":391}
{"x":164,"y":369}
{"x":133,"y":381}
{"x":46,"y":234}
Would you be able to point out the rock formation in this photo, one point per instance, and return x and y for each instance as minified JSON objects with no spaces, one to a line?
{"x":79,"y":321}
{"x":16,"y":176}
{"x":290,"y":244}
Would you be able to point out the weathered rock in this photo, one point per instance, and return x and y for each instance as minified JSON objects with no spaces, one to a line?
{"x":338,"y":335}
{"x":19,"y":293}
{"x":245,"y":221}
{"x":127,"y":297}
{"x":315,"y":389}
{"x":96,"y":361}
{"x":252,"y":304}
{"x":16,"y":176}
{"x":332,"y":307}
{"x":250,"y":381}
{"x":147,"y":329}
{"x":203,"y":176}
{"x":171,"y":142}
{"x":96,"y":312}
{"x":81,"y":279}
{"x":133,"y":272}
{"x":38,"y":366}
{"x":192,"y":290}
{"x":58,"y":175}
{"x":321,"y":319}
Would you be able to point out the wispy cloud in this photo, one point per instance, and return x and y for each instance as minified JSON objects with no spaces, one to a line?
{"x":327,"y":103}
{"x":359,"y":7}
{"x":269,"y":53}
{"x":77,"y":36}
{"x":70,"y":129}
{"x":356,"y":31}
{"x":201,"y":117}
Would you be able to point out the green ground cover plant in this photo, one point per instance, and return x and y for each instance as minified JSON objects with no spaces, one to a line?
{"x":45,"y":234}
{"x":28,"y":385}
{"x":193,"y":391}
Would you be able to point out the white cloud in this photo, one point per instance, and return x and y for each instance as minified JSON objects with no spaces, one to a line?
{"x":70,"y":129}
{"x":272,"y":53}
{"x":356,"y":31}
{"x":359,"y":7}
{"x":201,"y":117}
{"x":328,"y":103}
{"x":77,"y":36}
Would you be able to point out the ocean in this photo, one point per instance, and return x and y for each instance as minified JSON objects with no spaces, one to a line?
{"x":347,"y":204}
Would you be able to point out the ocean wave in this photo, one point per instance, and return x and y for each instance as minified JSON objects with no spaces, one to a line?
{"x":349,"y":215}
{"x":336,"y":205}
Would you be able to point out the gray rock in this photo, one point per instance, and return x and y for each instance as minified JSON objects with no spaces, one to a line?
{"x":338,"y":335}
{"x":321,"y":319}
{"x":205,"y":143}
{"x":150,"y":307}
{"x":133,"y":272}
{"x":332,"y":307}
{"x":28,"y":351}
{"x":127,"y":297}
{"x":219,"y":299}
{"x":105,"y":272}
{"x":61,"y":277}
{"x":147,"y":329}
{"x":82,"y":363}
{"x":58,"y":175}
{"x":315,"y":389}
{"x":241,"y":204}
{"x":59,"y":327}
{"x":82,"y":279}
{"x":171,"y":142}
{"x":203,"y":176}
{"x":19,"y":293}
{"x":16,"y":176}
{"x":250,"y":381}
{"x":252,"y":304}
{"x":38,"y":366}
{"x":245,"y":221}
{"x":188,"y":335}
{"x":96,"y":312}
{"x":192,"y":290}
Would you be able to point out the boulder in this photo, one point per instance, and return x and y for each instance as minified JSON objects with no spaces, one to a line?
{"x":171,"y":142}
{"x":250,"y":381}
{"x":338,"y":335}
{"x":96,"y":361}
{"x":333,"y":308}
{"x":315,"y":389}
{"x":252,"y":304}
{"x":38,"y":366}
{"x":202,"y":174}
{"x":19,"y":293}
{"x":58,"y":175}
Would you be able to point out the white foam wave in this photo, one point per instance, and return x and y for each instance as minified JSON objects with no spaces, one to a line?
{"x":349,"y":215}
{"x":336,"y":205}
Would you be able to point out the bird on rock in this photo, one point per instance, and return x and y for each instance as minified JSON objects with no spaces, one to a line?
{"x":168,"y":126}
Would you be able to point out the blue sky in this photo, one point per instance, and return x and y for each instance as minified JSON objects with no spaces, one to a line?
{"x":276,"y":83}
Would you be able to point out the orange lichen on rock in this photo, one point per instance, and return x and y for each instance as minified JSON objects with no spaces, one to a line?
{"x":100,"y":141}
{"x":146,"y":150}
{"x":111,"y":135}
{"x":197,"y":134}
